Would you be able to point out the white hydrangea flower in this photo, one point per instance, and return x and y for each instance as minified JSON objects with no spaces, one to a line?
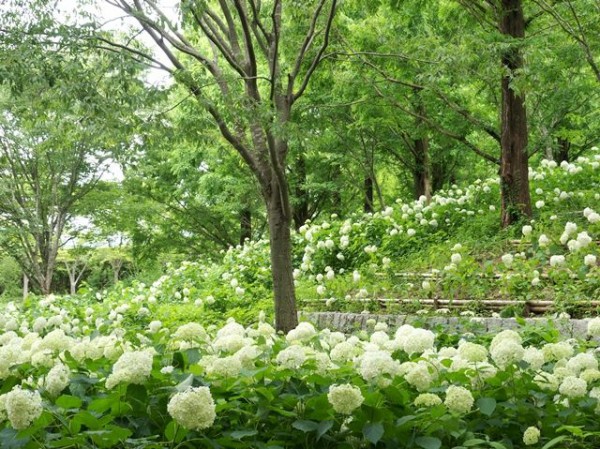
{"x":190,"y":332}
{"x":459,"y":400}
{"x":57,"y":379}
{"x":345,"y":398}
{"x":375,"y":365}
{"x":531,"y":436}
{"x":593,"y":327}
{"x":193,"y":409}
{"x":573,"y":387}
{"x":456,"y":258}
{"x":472,"y":352}
{"x":420,"y":376}
{"x":581,"y":362}
{"x":133,"y":367}
{"x":543,"y":240}
{"x":506,"y":353}
{"x":21,"y":407}
{"x":534,"y":357}
{"x":304,"y":331}
{"x":557,"y":260}
{"x":527,"y":230}
{"x":425,"y":400}
{"x":507,"y":259}
{"x":418,"y":341}
{"x":343,"y":352}
{"x":291,"y":357}
{"x":590,"y":260}
{"x":557,"y":351}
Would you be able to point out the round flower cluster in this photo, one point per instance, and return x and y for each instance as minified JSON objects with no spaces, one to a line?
{"x":345,"y":398}
{"x":573,"y":387}
{"x":459,"y":400}
{"x":427,"y":400}
{"x":291,"y":357}
{"x":133,"y":367}
{"x":193,"y":409}
{"x":57,"y":379}
{"x":531,"y":436}
{"x":20,"y":407}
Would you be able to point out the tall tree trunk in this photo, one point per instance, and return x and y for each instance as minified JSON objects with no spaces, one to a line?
{"x":245,"y":225}
{"x":72,"y":283}
{"x":301,"y":206}
{"x":46,"y":285}
{"x":25,"y":286}
{"x":279,"y":217}
{"x":514,"y":169}
{"x":368,"y":191}
{"x":422,"y":172}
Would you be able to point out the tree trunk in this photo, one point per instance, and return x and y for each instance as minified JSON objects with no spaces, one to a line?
{"x":368,"y":206}
{"x":301,"y":206}
{"x":245,"y":225}
{"x":514,"y":169}
{"x":45,"y":285}
{"x":422,"y":172}
{"x":72,"y":283}
{"x":562,"y":152}
{"x":286,"y":315}
{"x":25,"y":286}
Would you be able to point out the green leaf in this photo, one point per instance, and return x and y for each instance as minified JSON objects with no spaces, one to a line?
{"x":486,"y":405}
{"x":66,"y":401}
{"x":404,"y":420}
{"x":554,"y":442}
{"x":429,"y":442}
{"x":239,"y":434}
{"x":305,"y":425}
{"x":496,"y":445}
{"x":324,"y":426}
{"x":373,"y":432}
{"x":174,"y":433}
{"x":474,"y":442}
{"x":185,"y":384}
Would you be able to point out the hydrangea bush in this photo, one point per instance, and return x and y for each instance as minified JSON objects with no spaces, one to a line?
{"x":105,"y":386}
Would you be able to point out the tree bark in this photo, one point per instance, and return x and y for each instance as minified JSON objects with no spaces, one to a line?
{"x":301,"y":206}
{"x":25,"y":286}
{"x":72,"y":283}
{"x":422,"y":172}
{"x":245,"y":225}
{"x":562,"y":152}
{"x":514,"y":168}
{"x":279,"y":217}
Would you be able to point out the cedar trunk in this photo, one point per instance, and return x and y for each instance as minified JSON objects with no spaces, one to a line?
{"x":514,"y":169}
{"x":279,"y":216}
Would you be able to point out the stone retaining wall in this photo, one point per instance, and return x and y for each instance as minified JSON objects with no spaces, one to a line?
{"x":348,"y":322}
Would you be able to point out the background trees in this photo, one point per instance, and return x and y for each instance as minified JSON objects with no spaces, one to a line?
{"x":330,"y":109}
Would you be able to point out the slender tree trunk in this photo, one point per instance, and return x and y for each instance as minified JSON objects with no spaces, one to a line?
{"x":72,"y":283}
{"x":368,"y":191}
{"x":116,"y":268}
{"x":25,"y":286}
{"x":422,"y":172}
{"x":279,"y":217}
{"x":245,"y":225}
{"x":514,"y":169}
